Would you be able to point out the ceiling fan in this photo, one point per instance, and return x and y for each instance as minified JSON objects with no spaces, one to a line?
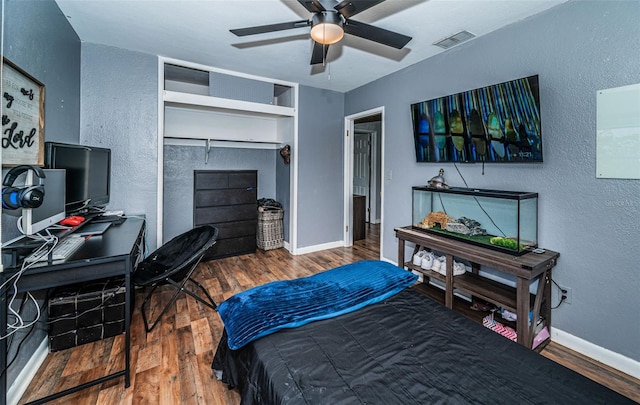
{"x":330,"y":21}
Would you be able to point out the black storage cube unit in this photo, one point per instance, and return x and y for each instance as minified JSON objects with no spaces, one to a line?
{"x":86,"y":312}
{"x":227,"y":199}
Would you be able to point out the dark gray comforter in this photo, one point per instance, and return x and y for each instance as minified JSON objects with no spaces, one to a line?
{"x":407,"y":349}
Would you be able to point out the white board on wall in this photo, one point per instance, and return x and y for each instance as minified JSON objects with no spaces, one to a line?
{"x":618,"y":133}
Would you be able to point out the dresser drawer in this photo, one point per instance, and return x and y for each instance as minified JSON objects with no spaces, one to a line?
{"x":228,"y":213}
{"x":234,"y":196}
{"x":232,"y":247}
{"x":215,"y":180}
{"x":227,"y":199}
{"x":235,"y":229}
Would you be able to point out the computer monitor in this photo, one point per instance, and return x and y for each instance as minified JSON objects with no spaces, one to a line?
{"x":52,"y":209}
{"x":88,"y":173}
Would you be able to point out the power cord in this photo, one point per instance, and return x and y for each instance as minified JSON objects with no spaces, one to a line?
{"x":31,"y":329}
{"x":563,"y":297}
{"x":49,"y":242}
{"x":478,"y":202}
{"x":105,"y":301}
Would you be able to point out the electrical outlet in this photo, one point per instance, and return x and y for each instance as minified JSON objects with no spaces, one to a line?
{"x":567,"y":292}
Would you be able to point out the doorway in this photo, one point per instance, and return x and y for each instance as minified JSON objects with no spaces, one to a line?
{"x":363,"y":168}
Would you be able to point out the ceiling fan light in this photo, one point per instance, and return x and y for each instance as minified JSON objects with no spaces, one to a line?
{"x":327,"y":28}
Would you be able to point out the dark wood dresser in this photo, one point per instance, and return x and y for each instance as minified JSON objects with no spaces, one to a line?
{"x":227,"y":199}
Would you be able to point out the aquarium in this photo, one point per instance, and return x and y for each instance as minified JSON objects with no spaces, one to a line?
{"x":501,"y":220}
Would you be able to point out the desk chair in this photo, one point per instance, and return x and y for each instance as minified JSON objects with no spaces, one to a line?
{"x":173,"y":264}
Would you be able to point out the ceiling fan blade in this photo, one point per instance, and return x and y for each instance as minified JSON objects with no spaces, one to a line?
{"x":261,"y":29}
{"x":314,"y":6}
{"x":350,"y":8}
{"x":376,"y":34}
{"x":319,"y":53}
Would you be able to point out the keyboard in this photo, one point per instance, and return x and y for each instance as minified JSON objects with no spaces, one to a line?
{"x":65,"y":248}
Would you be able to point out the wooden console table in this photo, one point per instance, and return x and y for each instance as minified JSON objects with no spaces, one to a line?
{"x":527,"y":268}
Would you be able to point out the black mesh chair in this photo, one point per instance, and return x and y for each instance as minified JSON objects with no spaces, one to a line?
{"x":173,"y":264}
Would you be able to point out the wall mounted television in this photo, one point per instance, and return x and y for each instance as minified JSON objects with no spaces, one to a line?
{"x":88,"y":174}
{"x":498,"y":123}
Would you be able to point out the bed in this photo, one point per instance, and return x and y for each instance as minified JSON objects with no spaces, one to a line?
{"x":403,"y":348}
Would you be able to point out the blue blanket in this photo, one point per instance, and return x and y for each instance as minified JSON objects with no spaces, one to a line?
{"x":268,"y":308}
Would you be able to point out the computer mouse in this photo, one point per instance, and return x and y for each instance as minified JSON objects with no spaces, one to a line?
{"x":73,"y":220}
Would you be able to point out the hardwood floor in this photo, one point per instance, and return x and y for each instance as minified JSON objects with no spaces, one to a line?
{"x":172,"y":364}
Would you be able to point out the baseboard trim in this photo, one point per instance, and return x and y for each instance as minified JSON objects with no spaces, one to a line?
{"x":598,"y":353}
{"x":317,"y":248}
{"x":22,"y":381}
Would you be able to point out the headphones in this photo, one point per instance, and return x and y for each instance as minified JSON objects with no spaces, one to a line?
{"x":22,"y":197}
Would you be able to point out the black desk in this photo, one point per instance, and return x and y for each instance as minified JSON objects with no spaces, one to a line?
{"x":115,"y":253}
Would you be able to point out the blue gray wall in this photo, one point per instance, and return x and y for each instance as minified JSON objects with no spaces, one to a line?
{"x":120,"y":111}
{"x":320,"y":166}
{"x":181,"y":161}
{"x":39,"y":40}
{"x":576,"y":49}
{"x":49,"y":50}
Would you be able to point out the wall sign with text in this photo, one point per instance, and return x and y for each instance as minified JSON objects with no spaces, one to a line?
{"x":22,"y":117}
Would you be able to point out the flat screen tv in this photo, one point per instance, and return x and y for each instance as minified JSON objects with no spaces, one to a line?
{"x":88,"y":173}
{"x":498,"y":123}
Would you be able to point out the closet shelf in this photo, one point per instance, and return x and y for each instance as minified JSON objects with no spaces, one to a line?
{"x":220,"y":143}
{"x":197,"y":101}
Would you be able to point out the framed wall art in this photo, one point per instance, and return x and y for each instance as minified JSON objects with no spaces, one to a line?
{"x":22,"y":117}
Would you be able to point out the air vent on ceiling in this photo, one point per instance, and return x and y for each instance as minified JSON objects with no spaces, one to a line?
{"x":454,"y":39}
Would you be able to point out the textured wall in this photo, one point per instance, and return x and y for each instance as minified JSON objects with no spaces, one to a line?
{"x":181,"y":161}
{"x":39,"y":40}
{"x":50,"y":51}
{"x":120,"y":111}
{"x":320,"y":166}
{"x":576,"y":49}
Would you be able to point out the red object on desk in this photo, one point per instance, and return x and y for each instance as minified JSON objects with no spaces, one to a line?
{"x":73,"y":221}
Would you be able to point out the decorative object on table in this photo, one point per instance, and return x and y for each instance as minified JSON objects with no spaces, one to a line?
{"x":506,"y":242}
{"x":457,"y":227}
{"x":285,"y":152}
{"x":434,"y":218}
{"x":438,"y":181}
{"x":22,"y":117}
{"x":475,"y":228}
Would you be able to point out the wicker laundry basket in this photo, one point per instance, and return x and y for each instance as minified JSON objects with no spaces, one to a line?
{"x":270,"y":232}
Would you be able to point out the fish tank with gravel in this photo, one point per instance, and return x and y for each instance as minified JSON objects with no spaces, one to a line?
{"x":506,"y":221}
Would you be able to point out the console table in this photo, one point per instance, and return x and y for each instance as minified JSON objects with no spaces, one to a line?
{"x":527,"y":268}
{"x":114,"y":253}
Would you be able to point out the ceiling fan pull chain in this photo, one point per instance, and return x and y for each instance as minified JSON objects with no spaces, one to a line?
{"x":324,"y":45}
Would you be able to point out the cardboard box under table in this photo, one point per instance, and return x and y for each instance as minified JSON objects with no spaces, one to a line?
{"x":86,"y":312}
